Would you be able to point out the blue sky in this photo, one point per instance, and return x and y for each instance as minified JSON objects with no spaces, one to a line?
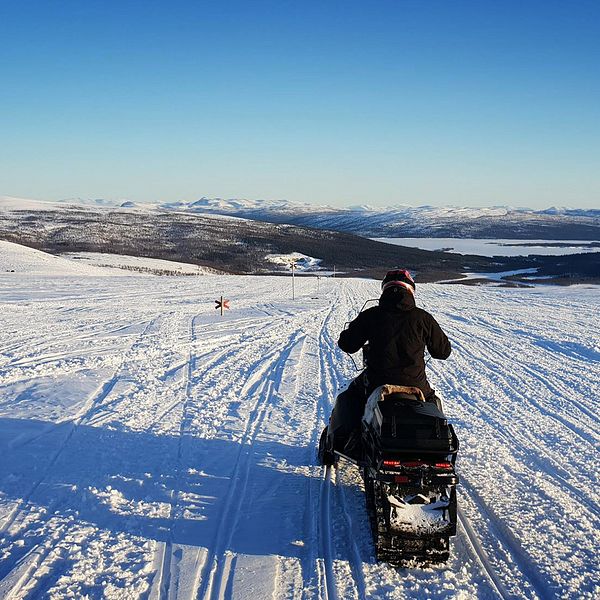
{"x":402,"y":102}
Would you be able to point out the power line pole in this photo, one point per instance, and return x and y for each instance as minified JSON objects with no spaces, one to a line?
{"x":293,"y":267}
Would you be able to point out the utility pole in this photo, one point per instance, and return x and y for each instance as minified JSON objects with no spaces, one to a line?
{"x":293,"y":267}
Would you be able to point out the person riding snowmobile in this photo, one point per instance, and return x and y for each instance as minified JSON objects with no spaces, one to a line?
{"x":397,"y":333}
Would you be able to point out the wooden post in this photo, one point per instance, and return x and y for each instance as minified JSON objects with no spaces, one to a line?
{"x":221,"y":305}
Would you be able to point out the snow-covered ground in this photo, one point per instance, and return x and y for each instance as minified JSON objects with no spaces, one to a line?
{"x":15,"y":258}
{"x":153,"y":449}
{"x":138,"y":264}
{"x":21,"y":260}
{"x":488,"y":247}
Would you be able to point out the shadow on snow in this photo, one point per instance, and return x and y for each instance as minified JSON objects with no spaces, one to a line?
{"x":116,"y":480}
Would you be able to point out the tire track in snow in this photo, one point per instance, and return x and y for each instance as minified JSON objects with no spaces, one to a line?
{"x":37,"y":555}
{"x":497,"y":529}
{"x":356,"y":561}
{"x":168,"y":560}
{"x":491,"y":351}
{"x":214,"y":582}
{"x":311,"y":573}
{"x":514,"y":439}
{"x":206,"y":367}
{"x":18,"y":582}
{"x":103,"y":391}
{"x":329,"y":380}
{"x":168,"y":557}
{"x":323,"y":529}
{"x":513,"y":436}
{"x":34,"y":360}
{"x":97,"y":398}
{"x":508,"y":540}
{"x":480,"y":554}
{"x":325,"y":535}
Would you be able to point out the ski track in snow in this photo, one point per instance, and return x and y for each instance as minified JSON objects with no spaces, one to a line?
{"x":152,"y":449}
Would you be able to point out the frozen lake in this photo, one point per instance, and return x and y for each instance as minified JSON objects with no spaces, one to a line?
{"x":494,"y":247}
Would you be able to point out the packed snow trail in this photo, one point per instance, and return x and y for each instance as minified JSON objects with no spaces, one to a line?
{"x":152,"y":449}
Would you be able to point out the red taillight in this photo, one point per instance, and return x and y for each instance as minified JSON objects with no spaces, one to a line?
{"x":412,"y":463}
{"x":391,"y":463}
{"x":443,"y":465}
{"x":401,"y":479}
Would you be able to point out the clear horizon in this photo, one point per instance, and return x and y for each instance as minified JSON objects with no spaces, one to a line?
{"x":467,"y":103}
{"x":91,"y":200}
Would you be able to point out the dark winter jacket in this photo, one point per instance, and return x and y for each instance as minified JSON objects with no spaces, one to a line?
{"x":397,"y":333}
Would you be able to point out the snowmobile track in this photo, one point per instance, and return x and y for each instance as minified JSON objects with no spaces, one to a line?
{"x":38,"y":553}
{"x":355,"y":560}
{"x":168,"y":559}
{"x":96,"y":400}
{"x":325,"y":536}
{"x":214,"y":582}
{"x":584,"y":436}
{"x":511,"y":544}
{"x":481,"y":556}
{"x":513,"y":438}
{"x":526,"y":518}
{"x":328,"y":582}
{"x":329,"y":378}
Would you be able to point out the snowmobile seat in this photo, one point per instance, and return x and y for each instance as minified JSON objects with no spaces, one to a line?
{"x":404,"y":423}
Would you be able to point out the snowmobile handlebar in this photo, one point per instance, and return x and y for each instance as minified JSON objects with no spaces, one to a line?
{"x":363,"y":308}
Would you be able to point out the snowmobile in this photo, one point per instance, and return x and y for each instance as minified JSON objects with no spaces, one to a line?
{"x":407,"y":455}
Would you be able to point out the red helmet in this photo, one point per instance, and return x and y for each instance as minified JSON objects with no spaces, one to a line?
{"x":398,"y":277}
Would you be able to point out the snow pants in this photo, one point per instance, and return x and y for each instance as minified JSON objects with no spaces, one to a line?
{"x":347,"y":413}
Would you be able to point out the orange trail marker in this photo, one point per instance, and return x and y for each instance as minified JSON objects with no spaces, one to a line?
{"x":222,"y":303}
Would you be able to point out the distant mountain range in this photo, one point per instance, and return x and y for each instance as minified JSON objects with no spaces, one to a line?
{"x":555,"y":223}
{"x":225,"y":243}
{"x":200,"y":234}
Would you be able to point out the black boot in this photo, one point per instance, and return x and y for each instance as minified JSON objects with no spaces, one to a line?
{"x":326,"y":455}
{"x":353,"y":447}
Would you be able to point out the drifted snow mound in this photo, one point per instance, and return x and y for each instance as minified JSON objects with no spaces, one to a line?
{"x":21,"y":259}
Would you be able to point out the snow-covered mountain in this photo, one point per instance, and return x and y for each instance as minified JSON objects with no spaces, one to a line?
{"x":409,"y":221}
{"x":400,"y":221}
{"x":554,"y":223}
